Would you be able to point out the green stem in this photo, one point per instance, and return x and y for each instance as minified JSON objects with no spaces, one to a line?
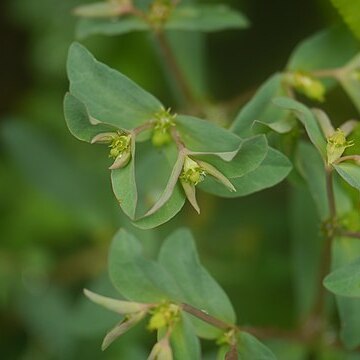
{"x":202,"y":315}
{"x":174,"y":68}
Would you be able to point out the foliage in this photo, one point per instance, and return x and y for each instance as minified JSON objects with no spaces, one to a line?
{"x":177,"y":158}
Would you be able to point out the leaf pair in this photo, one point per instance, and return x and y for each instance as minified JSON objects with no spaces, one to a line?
{"x":104,"y":105}
{"x":177,"y":277}
{"x":109,"y":19}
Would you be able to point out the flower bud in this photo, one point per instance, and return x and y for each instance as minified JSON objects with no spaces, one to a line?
{"x":163,"y":316}
{"x":164,"y":120}
{"x":160,"y":11}
{"x":192,"y":173}
{"x":160,"y":138}
{"x":336,"y":145}
{"x":307,"y":85}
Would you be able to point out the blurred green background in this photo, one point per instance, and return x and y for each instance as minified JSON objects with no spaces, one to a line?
{"x":58,"y":213}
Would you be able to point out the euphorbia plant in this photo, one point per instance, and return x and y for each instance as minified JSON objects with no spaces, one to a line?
{"x":186,"y":152}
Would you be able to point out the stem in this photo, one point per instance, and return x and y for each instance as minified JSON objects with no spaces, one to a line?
{"x":330,"y":193}
{"x":174,"y":68}
{"x":315,"y":322}
{"x":327,"y":73}
{"x":351,"y":234}
{"x":142,"y":128}
{"x":202,"y":315}
{"x":177,"y":139}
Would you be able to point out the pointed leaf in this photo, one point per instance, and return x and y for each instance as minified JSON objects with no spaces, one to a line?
{"x":308,"y":120}
{"x":205,"y":18}
{"x":327,"y":49}
{"x":324,"y":122}
{"x":345,"y":281}
{"x":350,"y":81}
{"x":203,"y":136}
{"x":134,"y":276}
{"x":350,"y":173}
{"x":165,"y":213}
{"x":173,"y":180}
{"x":250,"y":348}
{"x":79,"y":122}
{"x":274,"y":168}
{"x":260,"y":107}
{"x":179,"y":256}
{"x":119,"y":26}
{"x":190,"y":193}
{"x":118,"y":306}
{"x":121,"y":328}
{"x":282,"y":126}
{"x":124,"y":185}
{"x":97,"y":9}
{"x":251,"y":154}
{"x":109,"y":96}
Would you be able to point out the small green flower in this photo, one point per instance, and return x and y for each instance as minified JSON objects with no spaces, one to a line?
{"x":159,"y":12}
{"x":307,"y":85}
{"x":120,"y":147}
{"x":164,"y":120}
{"x":192,"y":173}
{"x":336,"y":145}
{"x":165,"y":315}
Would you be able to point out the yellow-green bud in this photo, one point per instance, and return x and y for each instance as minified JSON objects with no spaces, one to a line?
{"x":160,"y":11}
{"x":336,"y":145}
{"x":192,"y":172}
{"x":307,"y":85}
{"x":160,"y":138}
{"x":163,"y":316}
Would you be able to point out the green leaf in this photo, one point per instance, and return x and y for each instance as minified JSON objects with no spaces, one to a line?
{"x":345,"y":281}
{"x":109,"y":96}
{"x":165,"y":213}
{"x":346,"y":251}
{"x":97,"y":9}
{"x":124,"y":185}
{"x":350,"y":81}
{"x":271,"y":171}
{"x":205,"y":18}
{"x":250,"y":348}
{"x":79,"y":121}
{"x":329,"y":48}
{"x":309,"y":121}
{"x":281,"y":126}
{"x":134,"y":276}
{"x":251,"y":154}
{"x":184,"y":342}
{"x":350,"y":173}
{"x":111,"y":27}
{"x":305,"y":250}
{"x":350,"y":12}
{"x":203,"y":136}
{"x":179,"y":256}
{"x":312,"y":169}
{"x":260,"y":107}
